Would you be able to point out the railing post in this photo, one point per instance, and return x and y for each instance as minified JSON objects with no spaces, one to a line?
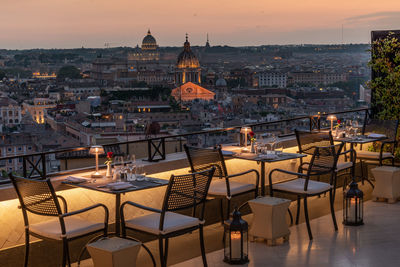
{"x":310,"y":121}
{"x":25,"y":173}
{"x":163,"y":148}
{"x":43,"y":159}
{"x":127,"y":149}
{"x":149,"y":158}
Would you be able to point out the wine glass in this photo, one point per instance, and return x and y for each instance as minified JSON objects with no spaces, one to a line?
{"x":278,"y":147}
{"x":355,"y":127}
{"x":131,"y":165}
{"x":118,"y":166}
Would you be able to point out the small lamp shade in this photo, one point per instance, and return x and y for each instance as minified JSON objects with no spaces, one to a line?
{"x":245,"y":130}
{"x":331,"y":118}
{"x":96,"y":150}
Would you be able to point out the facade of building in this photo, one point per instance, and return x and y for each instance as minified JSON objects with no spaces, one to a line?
{"x":316,"y":78}
{"x":272,"y":78}
{"x":36,"y":108}
{"x":10,"y":113}
{"x":187,"y":67}
{"x":190,"y":91}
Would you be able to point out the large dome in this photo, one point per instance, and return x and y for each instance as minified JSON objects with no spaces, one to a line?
{"x":187,"y":59}
{"x":149,"y":42}
{"x":221,"y":82}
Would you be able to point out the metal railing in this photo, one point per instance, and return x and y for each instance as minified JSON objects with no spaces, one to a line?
{"x":34,"y":164}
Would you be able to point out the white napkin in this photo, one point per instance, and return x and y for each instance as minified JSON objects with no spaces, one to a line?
{"x":75,"y":180}
{"x":119,"y":185}
{"x":375,"y":135}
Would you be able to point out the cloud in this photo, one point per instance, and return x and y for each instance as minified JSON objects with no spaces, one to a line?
{"x":386,"y":19}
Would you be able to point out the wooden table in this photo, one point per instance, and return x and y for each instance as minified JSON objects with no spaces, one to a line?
{"x":101,"y":186}
{"x":262,"y":159}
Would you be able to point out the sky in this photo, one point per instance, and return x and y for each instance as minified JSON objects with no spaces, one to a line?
{"x":92,"y":23}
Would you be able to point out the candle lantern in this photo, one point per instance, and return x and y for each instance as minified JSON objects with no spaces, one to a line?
{"x":353,"y":205}
{"x":236,"y":240}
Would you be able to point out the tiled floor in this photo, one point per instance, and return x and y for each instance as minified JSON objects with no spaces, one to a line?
{"x":374,"y":244}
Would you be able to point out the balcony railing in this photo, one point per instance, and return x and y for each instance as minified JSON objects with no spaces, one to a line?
{"x":34,"y":164}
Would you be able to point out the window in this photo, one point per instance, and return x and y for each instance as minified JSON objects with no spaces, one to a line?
{"x":10,"y":161}
{"x":19,"y":148}
{"x":9,"y":149}
{"x":29,"y":148}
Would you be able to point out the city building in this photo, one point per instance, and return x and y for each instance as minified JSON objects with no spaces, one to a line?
{"x":148,"y":51}
{"x":188,"y":66}
{"x":36,"y":108}
{"x":190,"y":91}
{"x":272,"y":78}
{"x":10,"y":113}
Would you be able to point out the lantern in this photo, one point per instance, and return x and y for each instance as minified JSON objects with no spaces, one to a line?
{"x":353,"y":205}
{"x":235,"y":240}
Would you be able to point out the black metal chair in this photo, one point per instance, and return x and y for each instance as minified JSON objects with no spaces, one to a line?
{"x":323,"y":162}
{"x":388,"y":128}
{"x":39,"y":197}
{"x":183,"y":192}
{"x":203,"y":158}
{"x":307,"y":141}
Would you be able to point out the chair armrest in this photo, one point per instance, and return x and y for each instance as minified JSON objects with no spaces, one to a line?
{"x":87,"y":209}
{"x":240,"y":174}
{"x":64,"y":203}
{"x":139,"y":206}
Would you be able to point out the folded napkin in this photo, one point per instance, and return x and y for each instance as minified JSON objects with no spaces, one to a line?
{"x":119,"y":185}
{"x":375,"y":135}
{"x":75,"y":180}
{"x":227,"y":153}
{"x":268,"y":156}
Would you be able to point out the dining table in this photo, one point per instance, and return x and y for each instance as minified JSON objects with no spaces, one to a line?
{"x":108,"y":186}
{"x":359,"y":139}
{"x":261,"y":158}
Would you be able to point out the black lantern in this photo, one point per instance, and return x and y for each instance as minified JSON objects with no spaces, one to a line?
{"x":353,"y":205}
{"x":236,"y":241}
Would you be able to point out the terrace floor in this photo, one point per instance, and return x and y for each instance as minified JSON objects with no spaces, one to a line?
{"x":373,"y":244}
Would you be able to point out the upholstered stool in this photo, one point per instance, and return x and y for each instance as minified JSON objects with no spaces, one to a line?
{"x":114,"y":252}
{"x":269,"y":221}
{"x":387,"y":183}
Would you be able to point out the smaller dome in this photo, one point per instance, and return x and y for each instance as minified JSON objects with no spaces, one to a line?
{"x":221,"y":82}
{"x":149,"y":42}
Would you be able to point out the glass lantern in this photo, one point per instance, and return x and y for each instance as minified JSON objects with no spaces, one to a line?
{"x":236,"y":240}
{"x":353,"y":205}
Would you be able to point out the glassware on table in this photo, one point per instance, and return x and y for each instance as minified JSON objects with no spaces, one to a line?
{"x":355,"y":126}
{"x":140,"y":174}
{"x":131,"y":166}
{"x":278,"y":147}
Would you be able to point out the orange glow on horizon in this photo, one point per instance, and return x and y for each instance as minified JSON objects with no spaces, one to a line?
{"x":231,"y":22}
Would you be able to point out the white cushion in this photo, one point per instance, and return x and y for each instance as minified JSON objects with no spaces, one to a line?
{"x":343,"y":165}
{"x":373,"y":155}
{"x":74,"y":227}
{"x":150,"y":223}
{"x":297,"y":186}
{"x":218,"y":187}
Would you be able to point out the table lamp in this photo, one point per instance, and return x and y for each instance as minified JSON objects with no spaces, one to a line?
{"x":332,"y":118}
{"x":245,"y":130}
{"x":96,"y":150}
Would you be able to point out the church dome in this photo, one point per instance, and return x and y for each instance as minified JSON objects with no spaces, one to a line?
{"x":221,"y":82}
{"x":187,"y":59}
{"x":149,"y":42}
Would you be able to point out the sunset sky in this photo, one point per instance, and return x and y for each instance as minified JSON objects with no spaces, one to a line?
{"x":91,"y":23}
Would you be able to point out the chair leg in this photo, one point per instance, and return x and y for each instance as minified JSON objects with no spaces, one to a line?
{"x":26,"y":247}
{"x":307,"y":219}
{"x":298,"y":210}
{"x":228,"y":209}
{"x":166,"y":252}
{"x":161,"y":248}
{"x":291,"y":217}
{"x":362,"y":172}
{"x":332,"y":204}
{"x":65,"y":258}
{"x":203,"y":250}
{"x":221,"y":204}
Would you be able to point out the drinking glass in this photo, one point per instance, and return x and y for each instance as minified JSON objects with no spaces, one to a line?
{"x":131,"y":165}
{"x":355,"y":127}
{"x":140,"y":174}
{"x":278,"y":147}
